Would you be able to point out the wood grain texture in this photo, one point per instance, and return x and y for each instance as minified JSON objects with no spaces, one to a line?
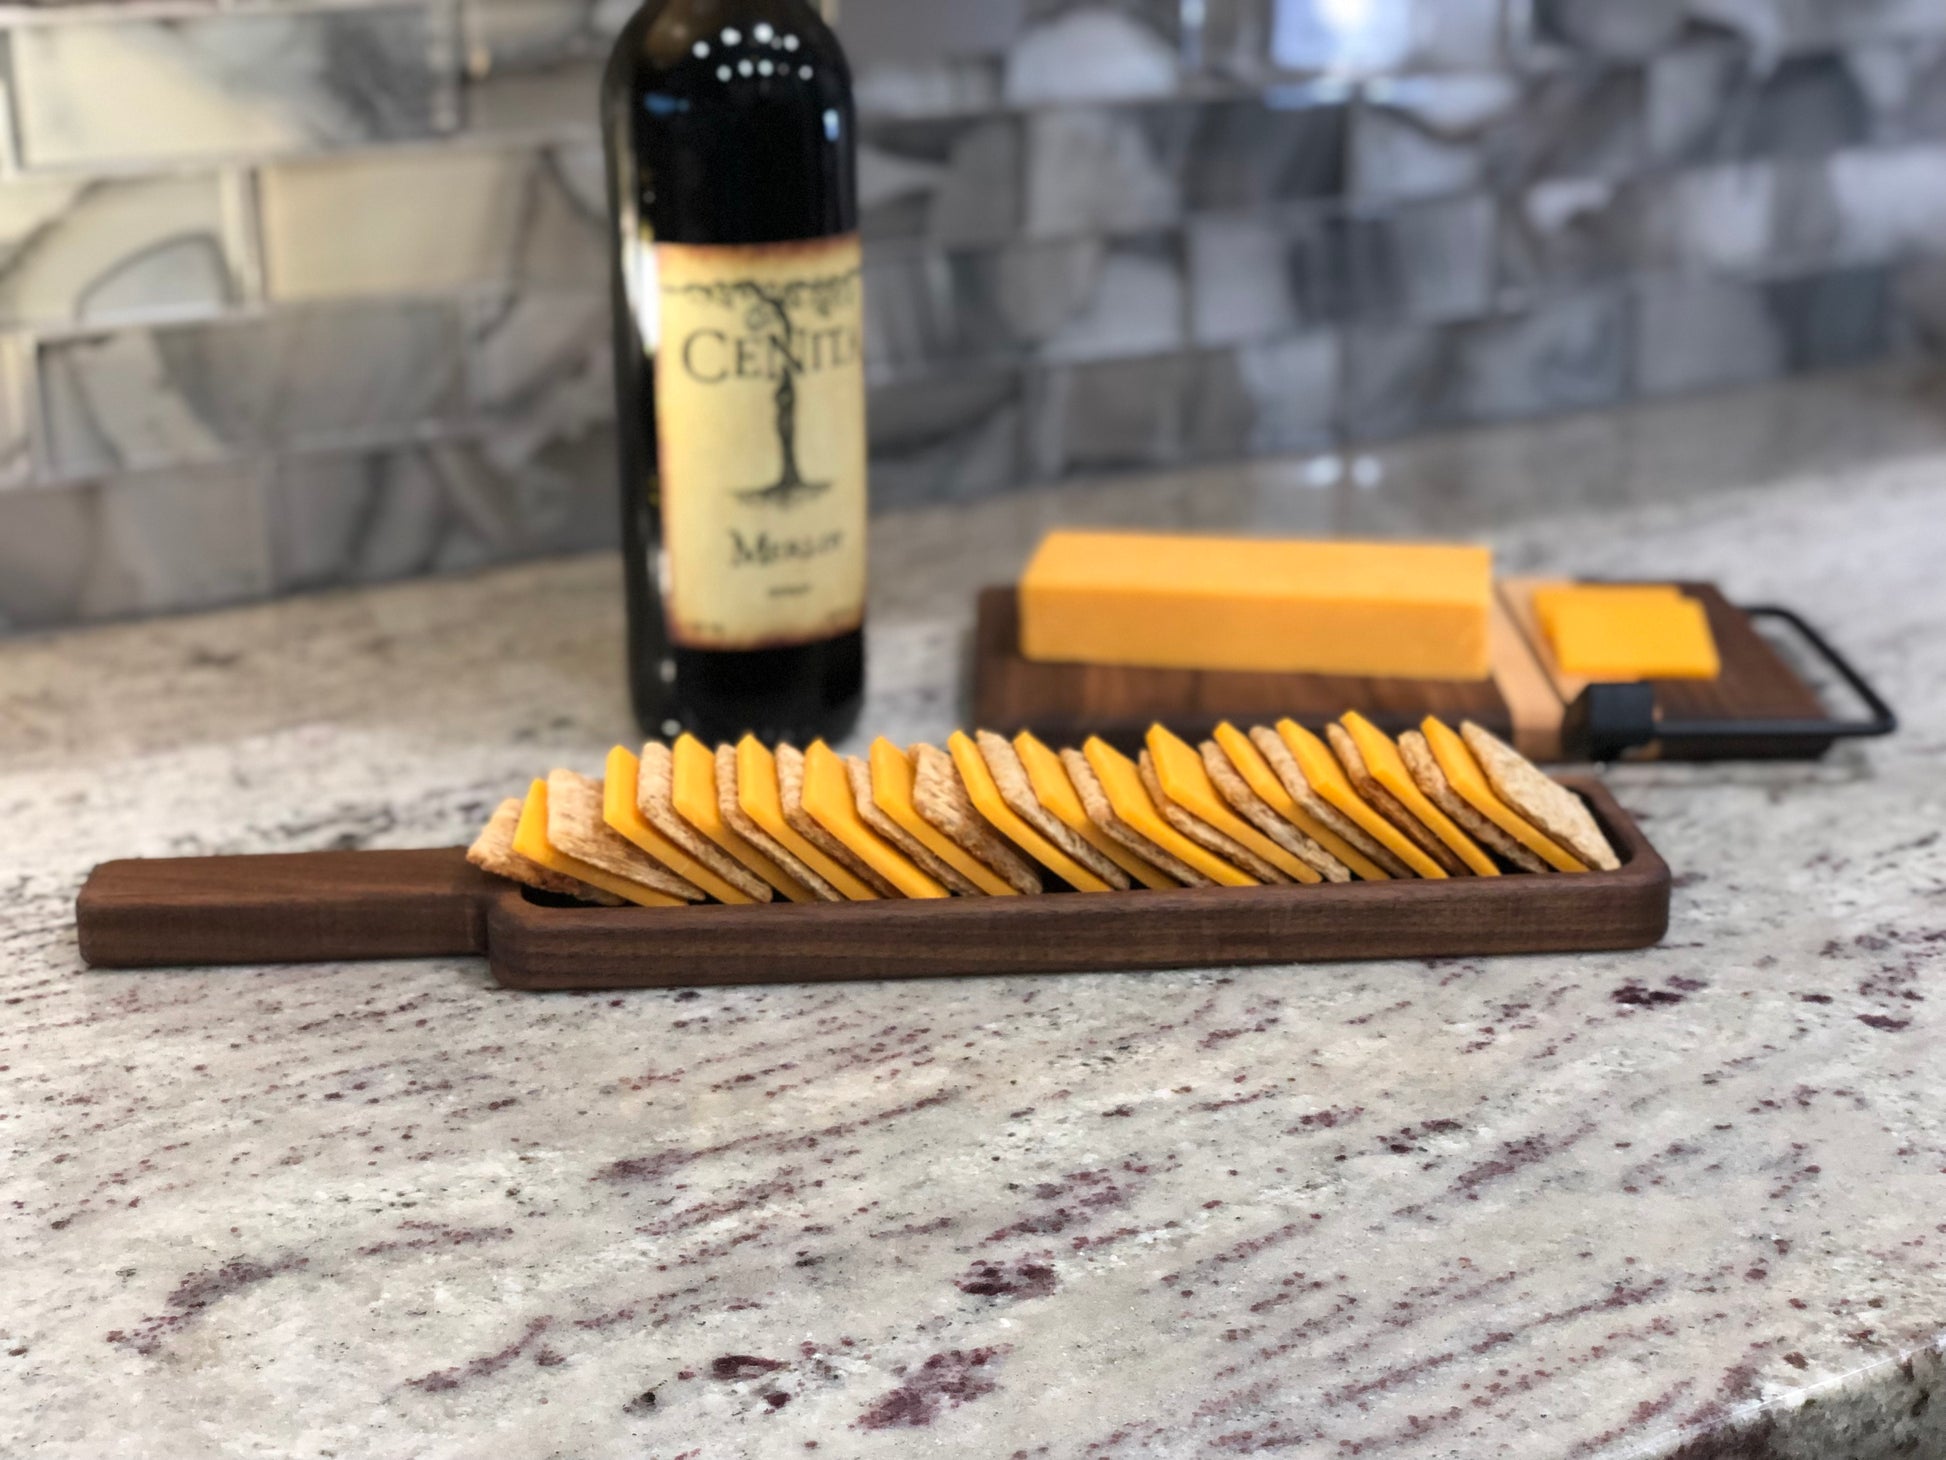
{"x":307,"y":907}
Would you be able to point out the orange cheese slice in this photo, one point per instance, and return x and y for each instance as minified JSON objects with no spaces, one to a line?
{"x":1627,"y":632}
{"x":1388,"y":768}
{"x":763,"y":803}
{"x":1185,"y":780}
{"x":530,"y":840}
{"x":1469,"y":782}
{"x":1256,"y":772}
{"x":623,"y":814}
{"x":1052,"y":788}
{"x":829,"y":801}
{"x":1121,"y":782}
{"x":696,"y":803}
{"x":985,"y":795}
{"x":892,"y":794}
{"x":1327,"y":778}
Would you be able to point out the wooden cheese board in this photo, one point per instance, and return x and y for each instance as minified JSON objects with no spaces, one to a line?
{"x":1762,"y":707}
{"x":330,"y":907}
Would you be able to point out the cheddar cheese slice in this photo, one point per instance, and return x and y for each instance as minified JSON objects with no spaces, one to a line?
{"x":892,"y":794}
{"x":987,"y":800}
{"x":1321,"y":769}
{"x":696,"y":803}
{"x":1627,"y":632}
{"x":1121,"y":781}
{"x":1184,"y":780}
{"x":761,"y":801}
{"x":1389,"y":769}
{"x":1055,"y":791}
{"x":828,"y":798}
{"x":530,"y":840}
{"x":1255,"y":770}
{"x":621,"y":809}
{"x":1463,"y":772}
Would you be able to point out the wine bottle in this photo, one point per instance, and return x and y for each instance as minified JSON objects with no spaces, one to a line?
{"x":739,"y":376}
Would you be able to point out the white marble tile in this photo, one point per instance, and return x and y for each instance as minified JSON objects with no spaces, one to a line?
{"x":540,"y":365}
{"x":1102,"y":169}
{"x":118,"y":248}
{"x":954,"y":181}
{"x":533,"y":67}
{"x":431,"y":221}
{"x":228,"y":85}
{"x":1091,"y":52}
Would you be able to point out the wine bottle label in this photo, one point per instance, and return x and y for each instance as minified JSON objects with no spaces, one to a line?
{"x":760,"y":426}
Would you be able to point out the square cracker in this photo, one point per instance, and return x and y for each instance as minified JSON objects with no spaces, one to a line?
{"x":940,"y":797}
{"x":1427,"y":775}
{"x":1389,"y":806}
{"x":1101,"y":811}
{"x":743,"y":826}
{"x":1017,"y":790}
{"x":1233,"y":788}
{"x":577,"y":827}
{"x":1537,"y":796}
{"x":790,"y":791}
{"x":655,"y":798}
{"x":493,"y":851}
{"x":1201,"y":832}
{"x":1273,"y":749}
{"x":860,"y":774}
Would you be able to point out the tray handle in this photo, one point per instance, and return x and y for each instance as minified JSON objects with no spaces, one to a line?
{"x":308,"y":907}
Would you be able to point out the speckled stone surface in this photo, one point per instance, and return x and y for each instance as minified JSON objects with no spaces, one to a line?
{"x":1583,"y":1206}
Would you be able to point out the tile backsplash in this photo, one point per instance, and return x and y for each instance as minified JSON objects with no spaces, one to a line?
{"x":298,"y":294}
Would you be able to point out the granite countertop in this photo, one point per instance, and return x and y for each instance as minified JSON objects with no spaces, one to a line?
{"x":1590,"y":1206}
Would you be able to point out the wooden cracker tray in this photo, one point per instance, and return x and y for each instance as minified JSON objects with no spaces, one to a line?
{"x":319,"y":907}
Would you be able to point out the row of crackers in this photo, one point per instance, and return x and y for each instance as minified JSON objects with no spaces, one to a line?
{"x":989,"y":816}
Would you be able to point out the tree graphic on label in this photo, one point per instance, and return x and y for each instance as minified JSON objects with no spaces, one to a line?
{"x":772,"y":313}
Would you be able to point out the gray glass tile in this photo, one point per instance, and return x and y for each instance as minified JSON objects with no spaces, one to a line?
{"x":1385,"y":36}
{"x":1919,"y":308}
{"x":1095,"y":50}
{"x":1775,"y":27}
{"x":191,"y":393}
{"x":1287,"y":146}
{"x":1421,"y":261}
{"x":1263,"y":400}
{"x":1116,"y":415}
{"x":143,"y":544}
{"x":1833,"y":321}
{"x":1105,"y":169}
{"x":1571,"y":353}
{"x":953,"y":181}
{"x":1700,"y":334}
{"x":534,"y":66}
{"x":1748,"y":219}
{"x":1576,"y":123}
{"x":956,"y":87}
{"x":924,"y":30}
{"x":1630,"y":30}
{"x":224,"y":85}
{"x":1569,"y":231}
{"x":1888,"y":204}
{"x":1712,"y":103}
{"x":949,"y":439}
{"x":1420,"y":136}
{"x":540,"y":364}
{"x":1263,"y":277}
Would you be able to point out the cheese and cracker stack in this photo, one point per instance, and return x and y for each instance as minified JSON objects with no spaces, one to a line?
{"x":986,"y":816}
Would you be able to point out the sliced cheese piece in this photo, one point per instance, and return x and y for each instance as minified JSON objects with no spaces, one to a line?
{"x":828,"y":798}
{"x":1418,"y":610}
{"x":1179,"y":770}
{"x":1389,"y":769}
{"x":1628,"y":632}
{"x":790,"y":795}
{"x":760,"y":799}
{"x":696,"y":803}
{"x":1121,"y":782}
{"x":530,"y":841}
{"x":987,"y":800}
{"x":1055,"y":790}
{"x":1254,"y":769}
{"x":892,"y":794}
{"x":859,"y":772}
{"x":621,"y":809}
{"x":1463,"y":773}
{"x":1321,"y":769}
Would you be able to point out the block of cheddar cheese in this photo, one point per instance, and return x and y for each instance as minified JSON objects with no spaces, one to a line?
{"x":1416,"y":610}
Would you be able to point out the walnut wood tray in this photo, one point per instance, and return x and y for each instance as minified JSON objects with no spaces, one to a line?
{"x":329,"y":907}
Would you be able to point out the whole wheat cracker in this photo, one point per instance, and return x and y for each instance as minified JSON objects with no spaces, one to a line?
{"x":1101,"y":811}
{"x":732,"y":812}
{"x":1287,"y":770}
{"x":859,"y":773}
{"x":493,"y":851}
{"x":577,"y":828}
{"x":1233,"y":788}
{"x":1017,"y":790}
{"x":1211,"y":839}
{"x":1427,"y":775}
{"x":940,"y":797}
{"x":790,"y":791}
{"x":1533,"y":793}
{"x":1389,"y":806}
{"x":655,"y":798}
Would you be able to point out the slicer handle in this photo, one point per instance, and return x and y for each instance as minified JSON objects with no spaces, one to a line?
{"x":308,"y":907}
